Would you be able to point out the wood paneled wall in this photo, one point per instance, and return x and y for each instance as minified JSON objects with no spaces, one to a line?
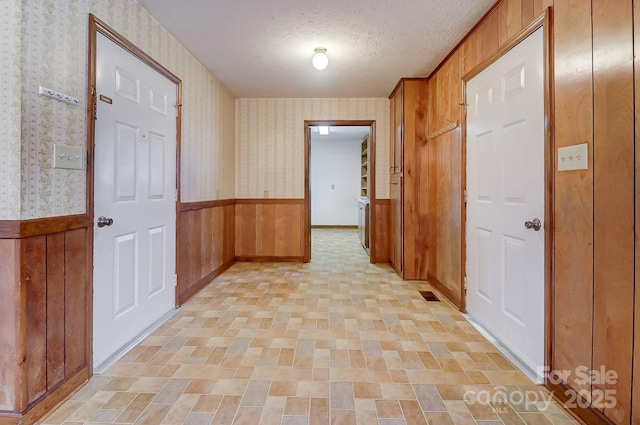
{"x":595,"y":261}
{"x":269,"y":229}
{"x":44,"y":311}
{"x":206,"y":244}
{"x":380,"y":248}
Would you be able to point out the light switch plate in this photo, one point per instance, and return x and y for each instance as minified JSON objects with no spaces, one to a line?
{"x":69,"y":157}
{"x":574,"y":157}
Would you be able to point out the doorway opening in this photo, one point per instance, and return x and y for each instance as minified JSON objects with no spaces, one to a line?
{"x":340,"y":179}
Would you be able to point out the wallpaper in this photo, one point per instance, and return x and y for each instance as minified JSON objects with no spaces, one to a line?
{"x":53,"y":46}
{"x":10,"y":82}
{"x":270,"y":141}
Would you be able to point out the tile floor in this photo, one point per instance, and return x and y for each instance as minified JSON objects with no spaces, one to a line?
{"x":334,"y":341}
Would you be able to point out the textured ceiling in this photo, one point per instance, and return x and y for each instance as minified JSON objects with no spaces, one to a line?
{"x":263,"y":48}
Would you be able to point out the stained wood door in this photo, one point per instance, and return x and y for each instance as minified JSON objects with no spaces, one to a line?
{"x":505,"y":184}
{"x":135,"y":183}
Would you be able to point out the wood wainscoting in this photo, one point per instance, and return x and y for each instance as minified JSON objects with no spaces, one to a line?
{"x":45,"y":304}
{"x":270,"y":229}
{"x":205,"y":244}
{"x":380,"y":247}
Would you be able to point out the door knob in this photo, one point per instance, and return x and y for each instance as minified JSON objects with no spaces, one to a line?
{"x":104,"y":221}
{"x":533,"y":224}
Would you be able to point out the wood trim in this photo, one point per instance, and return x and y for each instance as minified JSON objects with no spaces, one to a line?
{"x":201,"y":205}
{"x":452,"y":296}
{"x":53,"y":398}
{"x":200,"y":284}
{"x":372,"y":181}
{"x":261,"y":201}
{"x":563,"y":393}
{"x":332,"y":226}
{"x":18,"y":229}
{"x":517,"y":39}
{"x":48,"y":402}
{"x":270,"y":259}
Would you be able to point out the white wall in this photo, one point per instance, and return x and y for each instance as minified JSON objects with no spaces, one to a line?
{"x":334,"y":163}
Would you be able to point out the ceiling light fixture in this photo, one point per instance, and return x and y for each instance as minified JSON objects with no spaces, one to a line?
{"x":323,"y":130}
{"x":320,"y":59}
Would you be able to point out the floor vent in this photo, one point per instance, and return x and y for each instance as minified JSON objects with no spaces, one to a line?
{"x":429,"y":296}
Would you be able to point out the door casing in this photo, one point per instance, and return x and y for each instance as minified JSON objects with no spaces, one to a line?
{"x":306,"y":237}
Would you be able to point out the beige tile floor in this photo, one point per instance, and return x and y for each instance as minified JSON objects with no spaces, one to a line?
{"x":334,"y":341}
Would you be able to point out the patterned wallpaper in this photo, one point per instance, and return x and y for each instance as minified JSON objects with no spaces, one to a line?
{"x":53,"y":44}
{"x":270,"y":141}
{"x":10,"y":82}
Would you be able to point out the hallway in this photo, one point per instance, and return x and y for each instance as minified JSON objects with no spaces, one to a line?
{"x":337,"y":340}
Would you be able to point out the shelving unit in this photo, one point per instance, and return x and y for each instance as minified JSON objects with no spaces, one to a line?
{"x":364,"y":170}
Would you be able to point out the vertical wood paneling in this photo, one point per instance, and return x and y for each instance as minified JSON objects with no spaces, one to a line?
{"x":635,"y":404}
{"x":382,"y":234}
{"x":206,"y":246}
{"x":480,"y":55}
{"x":75,"y":302}
{"x":573,"y":236}
{"x":259,"y":230}
{"x":540,"y":5}
{"x":295,"y":247}
{"x":502,"y":24}
{"x":413,"y":123}
{"x":514,"y":16}
{"x":238,"y":224}
{"x":34,"y":251}
{"x":269,"y":235}
{"x":10,"y":372}
{"x":229,"y":226}
{"x":282,"y":229}
{"x":527,"y":7}
{"x":218,"y":239}
{"x":490,"y":34}
{"x":249,"y":229}
{"x":206,"y":242}
{"x":613,"y":198}
{"x":55,"y":309}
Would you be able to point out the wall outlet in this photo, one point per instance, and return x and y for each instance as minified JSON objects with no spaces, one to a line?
{"x":69,"y":157}
{"x":574,"y":157}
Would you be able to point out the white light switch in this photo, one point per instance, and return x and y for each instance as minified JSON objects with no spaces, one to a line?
{"x":574,"y":157}
{"x":67,"y":157}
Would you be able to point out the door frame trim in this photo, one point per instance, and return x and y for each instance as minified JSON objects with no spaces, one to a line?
{"x":306,"y":237}
{"x":543,"y":21}
{"x":97,"y":26}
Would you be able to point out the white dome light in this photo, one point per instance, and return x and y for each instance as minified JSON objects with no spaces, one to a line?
{"x":320,"y":59}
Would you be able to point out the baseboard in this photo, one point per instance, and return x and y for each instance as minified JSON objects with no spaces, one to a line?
{"x":270,"y":259}
{"x":200,"y":284}
{"x":588,"y":415}
{"x":46,"y":404}
{"x":334,"y":226}
{"x":453,"y":297}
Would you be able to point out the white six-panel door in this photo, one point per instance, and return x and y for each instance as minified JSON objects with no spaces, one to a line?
{"x":134,"y":185}
{"x":505,"y":189}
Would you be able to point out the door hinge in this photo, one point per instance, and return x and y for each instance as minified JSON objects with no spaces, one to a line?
{"x":175,"y":195}
{"x":175,"y":279}
{"x":95,"y":103}
{"x":177,"y":106}
{"x":465,"y":195}
{"x":465,"y":283}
